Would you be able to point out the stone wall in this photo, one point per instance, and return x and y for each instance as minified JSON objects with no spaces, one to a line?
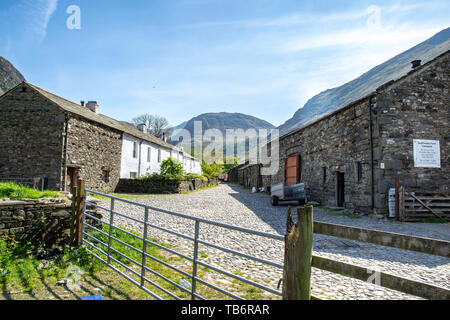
{"x":43,"y":221}
{"x":143,"y":186}
{"x":94,"y":149}
{"x":414,"y":107}
{"x":30,"y":136}
{"x":335,"y":144}
{"x":250,"y":176}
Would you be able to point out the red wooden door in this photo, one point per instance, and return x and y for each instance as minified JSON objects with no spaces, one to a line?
{"x":292,"y":170}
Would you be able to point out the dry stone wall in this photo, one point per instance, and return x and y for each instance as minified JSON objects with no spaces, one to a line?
{"x":43,"y":221}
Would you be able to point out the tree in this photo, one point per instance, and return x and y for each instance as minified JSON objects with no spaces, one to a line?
{"x":156,"y":125}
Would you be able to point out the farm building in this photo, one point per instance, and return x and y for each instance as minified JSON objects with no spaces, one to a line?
{"x":351,"y":157}
{"x":43,"y":135}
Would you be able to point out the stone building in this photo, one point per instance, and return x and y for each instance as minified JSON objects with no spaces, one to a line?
{"x":43,"y":135}
{"x":351,"y":157}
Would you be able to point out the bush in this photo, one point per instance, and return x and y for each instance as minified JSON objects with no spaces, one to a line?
{"x":211,"y":170}
{"x":171,"y":167}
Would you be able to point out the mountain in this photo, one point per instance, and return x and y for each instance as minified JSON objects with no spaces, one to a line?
{"x":225,"y":120}
{"x":333,"y":99}
{"x":222,"y":121}
{"x":9,"y":76}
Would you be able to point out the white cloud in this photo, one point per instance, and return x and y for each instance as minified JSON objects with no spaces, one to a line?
{"x":36,"y":15}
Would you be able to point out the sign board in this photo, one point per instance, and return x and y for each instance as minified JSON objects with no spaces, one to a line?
{"x":427,"y":154}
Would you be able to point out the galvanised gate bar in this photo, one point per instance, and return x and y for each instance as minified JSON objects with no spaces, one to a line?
{"x":91,"y":244}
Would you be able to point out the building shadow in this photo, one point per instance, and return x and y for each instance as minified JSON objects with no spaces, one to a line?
{"x":276,"y":217}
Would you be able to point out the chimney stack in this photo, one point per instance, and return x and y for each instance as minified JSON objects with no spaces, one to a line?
{"x":82,"y":103}
{"x":142,"y":127}
{"x":93,"y":106}
{"x":164,"y":138}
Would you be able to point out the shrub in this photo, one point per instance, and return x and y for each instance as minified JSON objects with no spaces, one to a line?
{"x":171,"y":167}
{"x":211,"y":170}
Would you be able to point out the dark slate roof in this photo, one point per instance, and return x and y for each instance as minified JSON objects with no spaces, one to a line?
{"x":84,"y":112}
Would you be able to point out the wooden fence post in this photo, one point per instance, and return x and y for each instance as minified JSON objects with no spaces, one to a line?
{"x":79,"y":212}
{"x":74,"y":214}
{"x":298,"y":255}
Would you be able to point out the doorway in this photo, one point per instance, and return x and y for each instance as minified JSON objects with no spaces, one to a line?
{"x":293,"y":170}
{"x":71,"y":178}
{"x":340,"y":189}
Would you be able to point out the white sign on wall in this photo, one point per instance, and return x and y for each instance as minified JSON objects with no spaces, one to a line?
{"x":427,"y":154}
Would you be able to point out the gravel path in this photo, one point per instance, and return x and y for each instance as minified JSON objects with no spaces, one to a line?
{"x":233,"y":205}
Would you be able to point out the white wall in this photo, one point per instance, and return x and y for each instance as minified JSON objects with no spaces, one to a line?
{"x":130,"y":164}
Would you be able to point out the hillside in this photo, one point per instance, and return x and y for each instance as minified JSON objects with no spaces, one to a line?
{"x":223,"y":121}
{"x":9,"y":76}
{"x":392,"y":69}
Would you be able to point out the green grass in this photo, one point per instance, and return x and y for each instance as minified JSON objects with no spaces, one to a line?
{"x":24,"y":276}
{"x":16,"y":192}
{"x":21,"y":270}
{"x":235,"y":286}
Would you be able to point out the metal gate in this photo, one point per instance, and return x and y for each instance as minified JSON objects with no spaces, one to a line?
{"x":104,"y":251}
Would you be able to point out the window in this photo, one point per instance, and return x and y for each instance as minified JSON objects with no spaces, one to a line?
{"x":134,"y":149}
{"x":159,"y":155}
{"x":149,"y":154}
{"x":105,"y":176}
{"x":133,"y":175}
{"x":324,"y":173}
{"x":359,"y":171}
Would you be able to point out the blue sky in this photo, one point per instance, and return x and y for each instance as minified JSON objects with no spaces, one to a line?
{"x":182,"y":58}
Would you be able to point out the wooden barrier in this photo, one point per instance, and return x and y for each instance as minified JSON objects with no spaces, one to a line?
{"x":299,"y":259}
{"x":389,"y":239}
{"x":298,"y":256}
{"x":79,"y":211}
{"x":417,"y":205}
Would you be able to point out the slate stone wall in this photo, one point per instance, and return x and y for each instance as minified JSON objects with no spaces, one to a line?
{"x":30,"y":137}
{"x":414,"y":107}
{"x":417,"y":107}
{"x":335,"y":144}
{"x":43,"y":221}
{"x":142,"y":186}
{"x":94,"y":149}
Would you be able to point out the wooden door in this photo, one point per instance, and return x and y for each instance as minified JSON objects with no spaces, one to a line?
{"x":292,"y":175}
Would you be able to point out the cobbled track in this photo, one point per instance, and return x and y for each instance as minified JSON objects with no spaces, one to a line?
{"x":233,"y":205}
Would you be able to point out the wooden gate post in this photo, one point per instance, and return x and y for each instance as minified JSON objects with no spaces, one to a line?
{"x":73,"y":219}
{"x":79,"y":212}
{"x":298,"y":255}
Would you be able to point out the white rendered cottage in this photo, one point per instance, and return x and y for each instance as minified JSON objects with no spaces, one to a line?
{"x":142,"y":154}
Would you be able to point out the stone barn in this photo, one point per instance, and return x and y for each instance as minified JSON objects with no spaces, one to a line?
{"x":43,"y":135}
{"x":351,"y":157}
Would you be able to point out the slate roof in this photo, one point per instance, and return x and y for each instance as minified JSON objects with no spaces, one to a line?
{"x":84,"y":112}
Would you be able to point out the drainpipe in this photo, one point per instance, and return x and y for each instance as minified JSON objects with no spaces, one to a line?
{"x":63,"y":179}
{"x":139,"y":158}
{"x":372,"y":172}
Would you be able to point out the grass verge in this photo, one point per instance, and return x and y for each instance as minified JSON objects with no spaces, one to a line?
{"x":17,"y":192}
